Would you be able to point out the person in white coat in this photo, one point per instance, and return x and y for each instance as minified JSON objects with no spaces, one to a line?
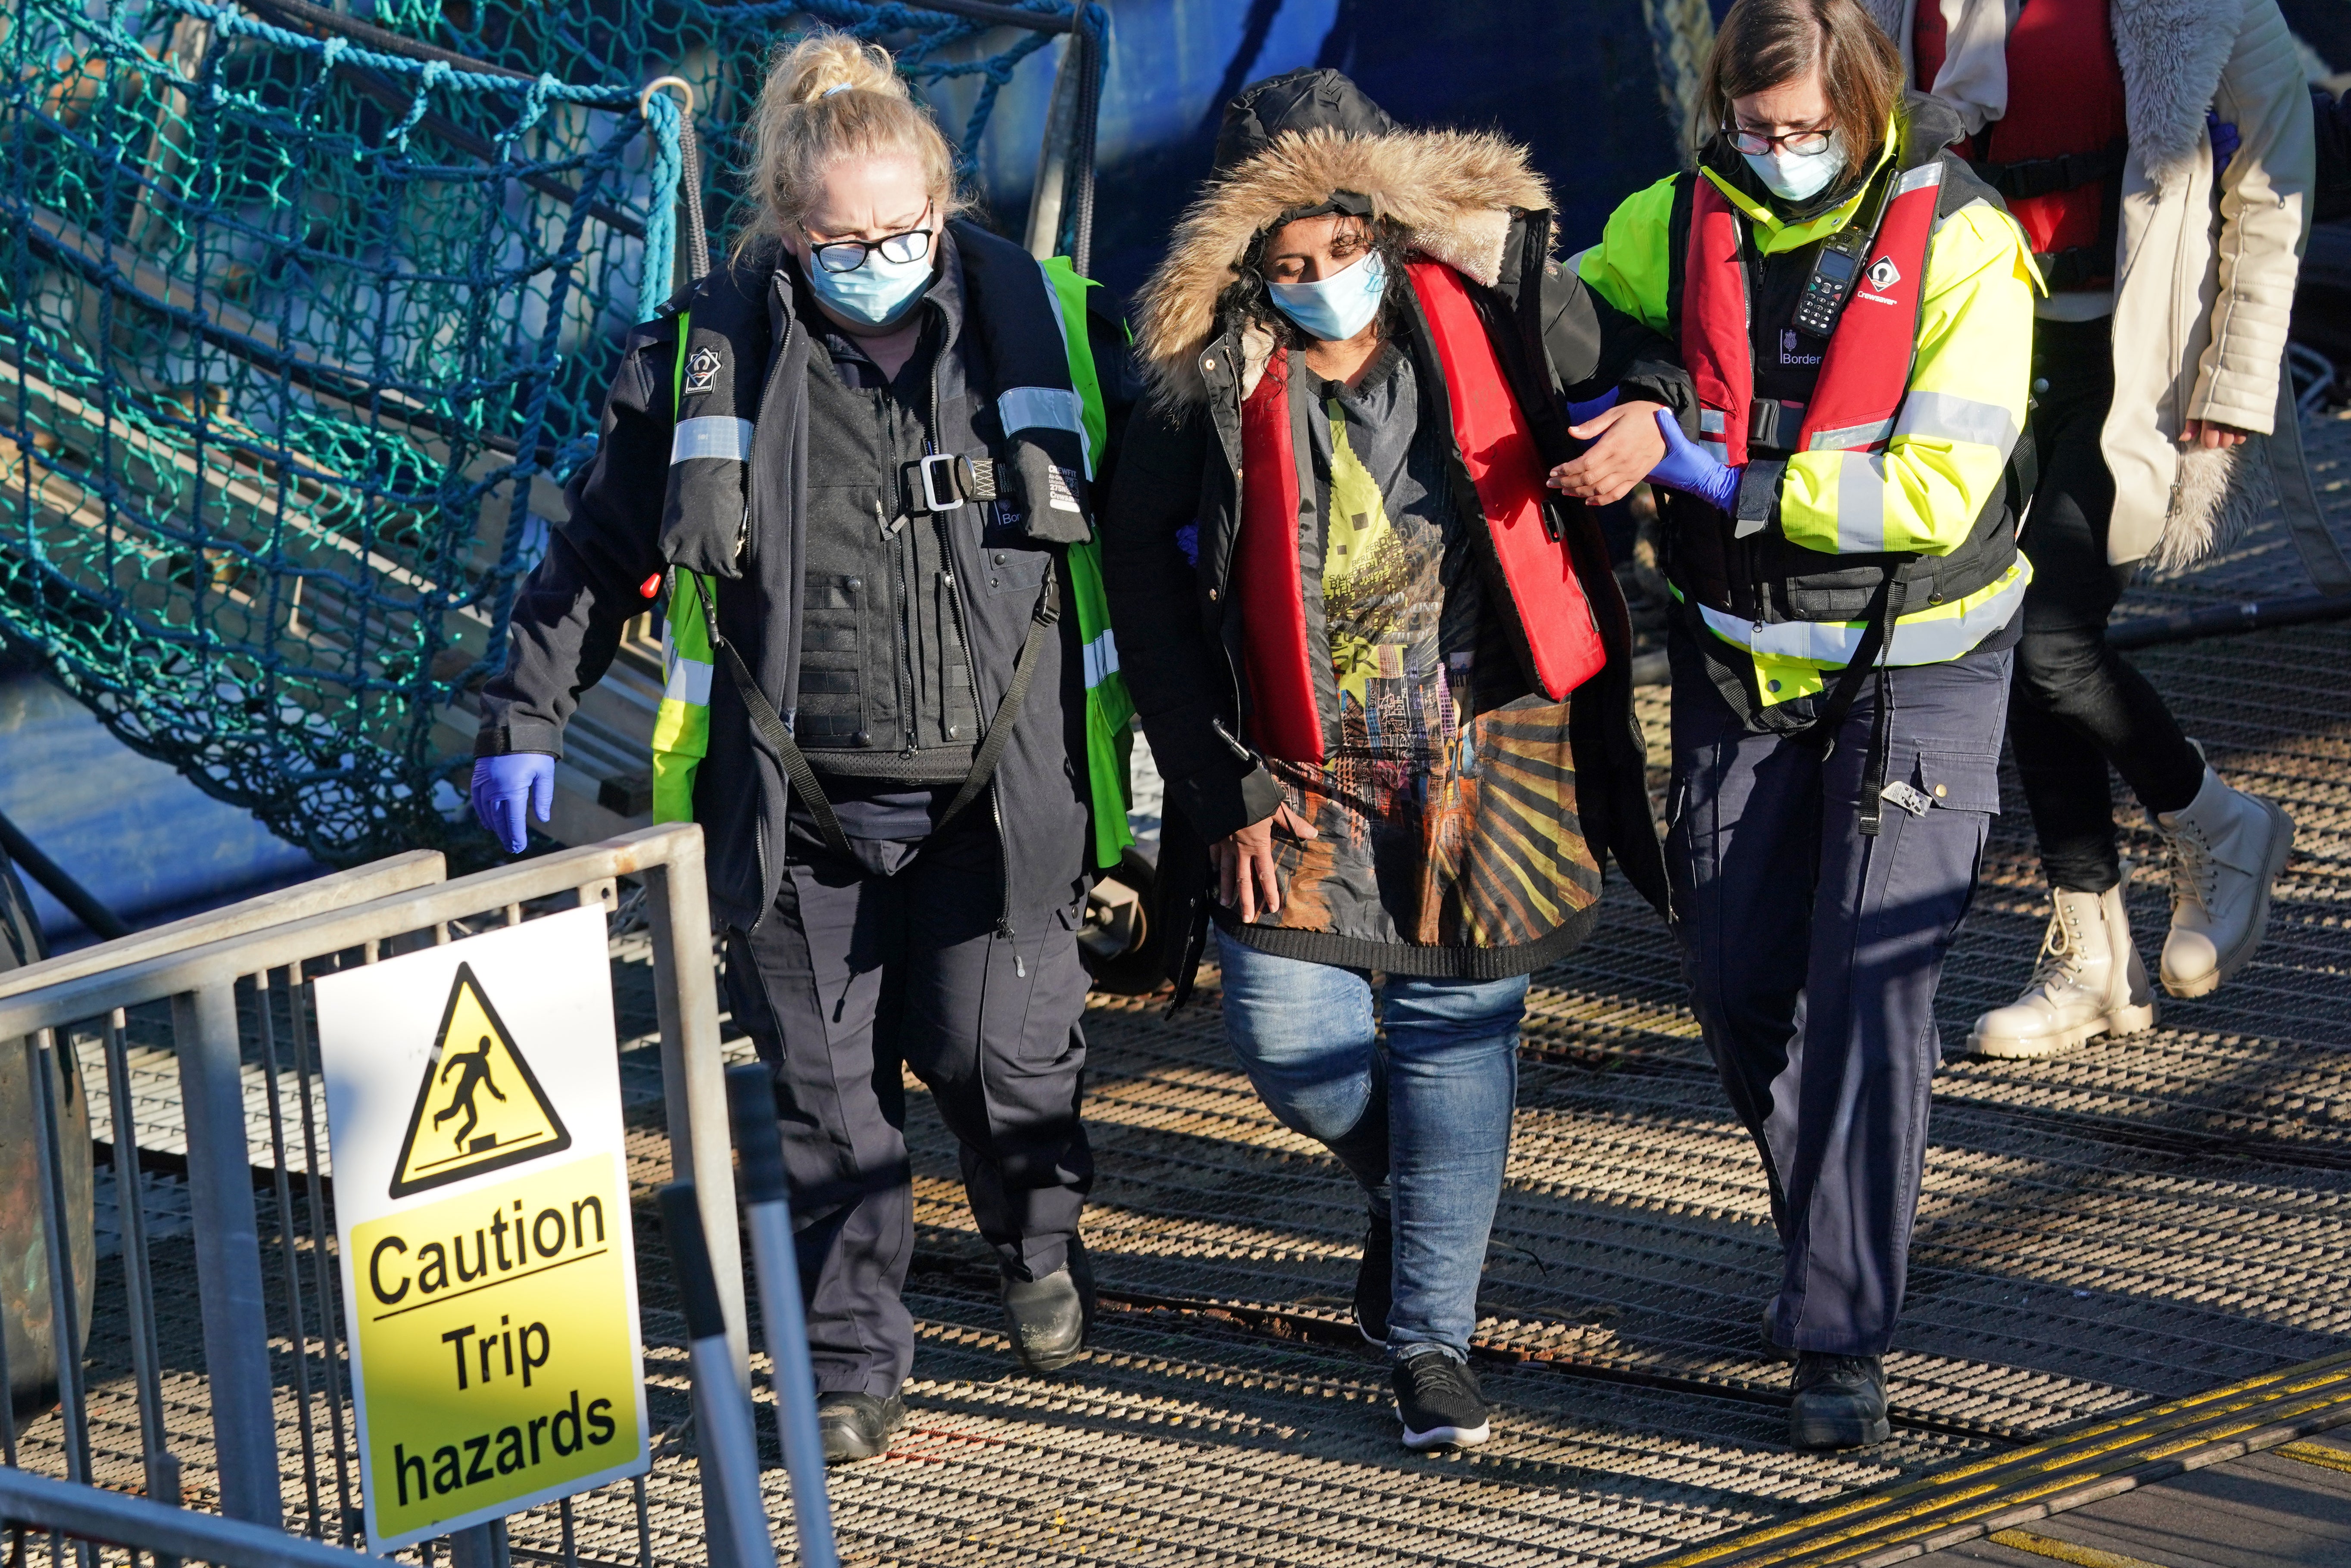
{"x":2158,"y":154}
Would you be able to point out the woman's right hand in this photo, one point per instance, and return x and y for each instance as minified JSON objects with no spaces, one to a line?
{"x":1245,"y":870}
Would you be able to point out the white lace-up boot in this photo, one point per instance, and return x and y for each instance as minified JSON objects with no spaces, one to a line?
{"x":2089,"y":981}
{"x":2227,"y":847}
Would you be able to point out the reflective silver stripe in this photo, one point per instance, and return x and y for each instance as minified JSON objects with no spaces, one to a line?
{"x":1715,"y":449}
{"x":1927,"y":174}
{"x":1861,"y":505}
{"x":688,"y":681}
{"x":1849,"y":436}
{"x":1711,"y":421}
{"x":1942,"y":416}
{"x":1102,"y":660}
{"x":1046,"y":408}
{"x":713,"y":435}
{"x":1928,"y":639}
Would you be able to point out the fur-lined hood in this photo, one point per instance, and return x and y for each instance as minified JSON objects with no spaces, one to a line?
{"x":1452,"y":191}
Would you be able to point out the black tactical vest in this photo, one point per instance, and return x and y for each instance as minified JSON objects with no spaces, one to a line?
{"x":885,"y":673}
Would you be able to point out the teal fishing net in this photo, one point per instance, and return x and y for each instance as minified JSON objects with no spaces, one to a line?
{"x":304,"y":320}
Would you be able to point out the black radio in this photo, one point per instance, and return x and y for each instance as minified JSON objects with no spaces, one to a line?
{"x":1838,"y":265}
{"x":1834,"y":271}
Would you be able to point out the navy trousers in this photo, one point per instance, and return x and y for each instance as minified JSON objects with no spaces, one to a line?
{"x":861,"y":971}
{"x":1812,"y":955}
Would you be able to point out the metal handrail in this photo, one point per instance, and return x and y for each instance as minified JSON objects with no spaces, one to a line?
{"x":117,"y":1519}
{"x":201,"y":984}
{"x":360,"y":885}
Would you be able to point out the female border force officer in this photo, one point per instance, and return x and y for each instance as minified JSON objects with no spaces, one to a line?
{"x":1856,"y":312}
{"x":870,"y":443}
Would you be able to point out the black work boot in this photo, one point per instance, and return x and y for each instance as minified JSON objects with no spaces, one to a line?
{"x":857,"y":1426}
{"x":1840,"y":1401}
{"x":1375,"y":1281}
{"x":1047,"y":1319}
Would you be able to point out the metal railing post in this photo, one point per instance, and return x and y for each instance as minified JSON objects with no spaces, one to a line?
{"x":693,"y":1074}
{"x":228,"y":1253}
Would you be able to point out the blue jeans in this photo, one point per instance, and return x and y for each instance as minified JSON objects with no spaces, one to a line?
{"x":1421,"y":1119}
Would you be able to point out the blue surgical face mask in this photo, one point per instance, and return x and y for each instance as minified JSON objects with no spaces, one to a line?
{"x":1339,"y":306}
{"x":879,"y":293}
{"x":1798,"y":176}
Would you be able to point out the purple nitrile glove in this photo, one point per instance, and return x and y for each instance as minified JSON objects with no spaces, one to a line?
{"x":1692,"y":470}
{"x":504,"y":786}
{"x":2225,"y":143}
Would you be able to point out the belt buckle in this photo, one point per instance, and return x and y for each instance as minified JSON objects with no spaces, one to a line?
{"x":932,"y":473}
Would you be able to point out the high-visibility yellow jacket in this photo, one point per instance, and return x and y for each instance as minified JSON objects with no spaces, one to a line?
{"x":1947,"y":458}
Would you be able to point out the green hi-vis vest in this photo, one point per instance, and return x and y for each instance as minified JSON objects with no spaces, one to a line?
{"x":681,"y":725}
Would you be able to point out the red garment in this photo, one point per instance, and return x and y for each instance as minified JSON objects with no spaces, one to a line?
{"x":1929,"y":40}
{"x":2064,"y":95}
{"x":1866,"y":368}
{"x":1496,"y":443}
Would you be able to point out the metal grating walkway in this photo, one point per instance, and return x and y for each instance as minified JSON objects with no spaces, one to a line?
{"x":2132,"y":1221}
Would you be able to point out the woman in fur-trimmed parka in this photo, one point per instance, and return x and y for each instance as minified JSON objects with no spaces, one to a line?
{"x":1382,"y":666}
{"x":2158,"y":154}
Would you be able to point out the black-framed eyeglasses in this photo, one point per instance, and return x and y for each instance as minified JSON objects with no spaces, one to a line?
{"x":848,"y":255}
{"x":1755,"y":144}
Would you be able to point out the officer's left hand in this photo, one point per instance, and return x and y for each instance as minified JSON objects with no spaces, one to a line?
{"x":1625,"y":446}
{"x":2211,"y":435}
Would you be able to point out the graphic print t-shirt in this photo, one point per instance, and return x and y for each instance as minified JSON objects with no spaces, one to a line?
{"x":1446,"y":805}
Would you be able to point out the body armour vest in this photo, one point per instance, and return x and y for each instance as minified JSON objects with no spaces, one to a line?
{"x":1734,"y":311}
{"x":886,"y":687}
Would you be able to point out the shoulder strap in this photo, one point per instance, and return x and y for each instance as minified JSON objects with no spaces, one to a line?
{"x":998,"y":734}
{"x":769,"y":725}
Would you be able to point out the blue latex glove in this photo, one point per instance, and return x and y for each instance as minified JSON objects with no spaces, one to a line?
{"x":1690,"y":469}
{"x":503,"y":786}
{"x":2225,"y":143}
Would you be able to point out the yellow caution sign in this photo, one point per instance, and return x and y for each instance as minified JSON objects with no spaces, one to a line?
{"x":482,"y":1204}
{"x":480,"y":1107}
{"x":496,"y":1334}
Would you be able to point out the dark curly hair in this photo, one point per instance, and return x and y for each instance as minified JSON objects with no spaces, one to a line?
{"x":1246,"y":299}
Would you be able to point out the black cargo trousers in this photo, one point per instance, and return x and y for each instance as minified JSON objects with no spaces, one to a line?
{"x":898,"y":959}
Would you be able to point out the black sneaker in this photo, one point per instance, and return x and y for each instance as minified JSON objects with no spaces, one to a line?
{"x":1047,"y":1319}
{"x":1772,"y":1349}
{"x":1440,"y":1402}
{"x":1375,"y":1281}
{"x":1840,"y":1402}
{"x":857,"y":1426}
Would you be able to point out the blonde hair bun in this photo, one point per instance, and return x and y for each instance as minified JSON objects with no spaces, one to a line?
{"x":827,"y":98}
{"x":824,"y":63}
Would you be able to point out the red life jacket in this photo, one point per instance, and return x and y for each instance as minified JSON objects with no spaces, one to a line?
{"x":1495,"y":442}
{"x":1866,"y":368}
{"x":2065,"y":97}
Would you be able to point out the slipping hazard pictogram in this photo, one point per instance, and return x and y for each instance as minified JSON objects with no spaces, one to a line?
{"x":480,"y":1106}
